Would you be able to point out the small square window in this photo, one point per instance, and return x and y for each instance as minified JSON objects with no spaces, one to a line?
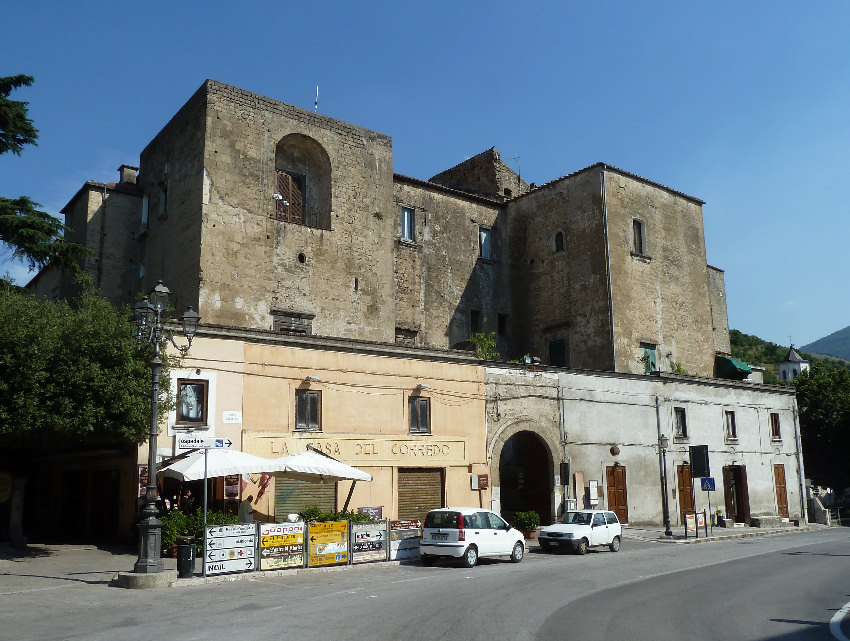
{"x":731,"y":428}
{"x":308,"y":410}
{"x":191,"y":402}
{"x":484,"y":243}
{"x":775,"y":431}
{"x":681,"y":424}
{"x":420,"y":415}
{"x":407,"y":224}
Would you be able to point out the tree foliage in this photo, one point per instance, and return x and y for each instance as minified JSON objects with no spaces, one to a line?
{"x":70,"y":375}
{"x":485,"y":345}
{"x":823,"y":396}
{"x":34,"y":235}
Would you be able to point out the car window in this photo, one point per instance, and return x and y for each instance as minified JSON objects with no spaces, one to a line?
{"x":599,"y":519}
{"x":611,"y":517}
{"x":496,"y":521}
{"x":477,"y":521}
{"x":576,"y":518}
{"x":442,"y":519}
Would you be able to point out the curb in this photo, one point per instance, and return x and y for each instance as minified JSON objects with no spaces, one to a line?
{"x":677,"y":539}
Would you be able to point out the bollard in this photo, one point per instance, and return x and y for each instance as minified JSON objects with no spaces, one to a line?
{"x":185,"y":557}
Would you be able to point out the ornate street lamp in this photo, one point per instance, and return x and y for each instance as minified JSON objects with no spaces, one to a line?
{"x":149,"y":330}
{"x":663,"y":444}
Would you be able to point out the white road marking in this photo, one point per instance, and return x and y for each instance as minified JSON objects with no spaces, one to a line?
{"x":835,"y":623}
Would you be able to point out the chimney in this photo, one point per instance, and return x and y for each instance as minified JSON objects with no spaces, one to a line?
{"x":128,"y":174}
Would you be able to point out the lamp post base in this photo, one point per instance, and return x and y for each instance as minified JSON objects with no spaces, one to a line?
{"x":150,"y":546}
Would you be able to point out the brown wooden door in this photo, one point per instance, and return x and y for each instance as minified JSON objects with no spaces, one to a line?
{"x":729,"y":492}
{"x":781,"y":492}
{"x":686,"y":491}
{"x":615,"y":479}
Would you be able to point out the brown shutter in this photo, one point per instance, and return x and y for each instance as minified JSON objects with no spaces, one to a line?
{"x":781,"y":492}
{"x":727,"y":491}
{"x":686,"y":491}
{"x":419,"y":490}
{"x":745,"y":494}
{"x":291,"y":496}
{"x":291,"y":206}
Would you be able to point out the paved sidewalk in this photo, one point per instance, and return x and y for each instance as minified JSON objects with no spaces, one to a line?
{"x":656,"y":534}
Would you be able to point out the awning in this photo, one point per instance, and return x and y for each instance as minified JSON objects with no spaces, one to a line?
{"x":731,"y":368}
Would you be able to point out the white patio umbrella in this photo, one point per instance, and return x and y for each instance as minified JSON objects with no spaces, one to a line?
{"x":315,"y":467}
{"x":219,"y":463}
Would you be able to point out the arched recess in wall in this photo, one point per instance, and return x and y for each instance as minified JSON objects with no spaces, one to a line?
{"x":302,"y":182}
{"x":522,"y":459}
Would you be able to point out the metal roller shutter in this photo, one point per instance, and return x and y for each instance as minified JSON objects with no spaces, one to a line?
{"x":292,"y":496}
{"x":419,"y":490}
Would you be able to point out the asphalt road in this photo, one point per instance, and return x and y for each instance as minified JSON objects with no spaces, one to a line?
{"x":782,"y":587}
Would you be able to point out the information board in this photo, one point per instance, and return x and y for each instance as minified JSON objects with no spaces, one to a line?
{"x":369,"y":541}
{"x":327,"y":543}
{"x":230,"y":548}
{"x":281,"y":545}
{"x":404,"y":539}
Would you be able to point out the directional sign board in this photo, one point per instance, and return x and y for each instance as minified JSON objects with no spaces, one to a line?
{"x":404,"y":539}
{"x":707,"y":484}
{"x":230,"y":548}
{"x":198,"y":443}
{"x":369,"y":541}
{"x":281,"y":545}
{"x":328,"y":543}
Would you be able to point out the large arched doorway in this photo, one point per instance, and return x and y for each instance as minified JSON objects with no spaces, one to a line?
{"x":525,"y":476}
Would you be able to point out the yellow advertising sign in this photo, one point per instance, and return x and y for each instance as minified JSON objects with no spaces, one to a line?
{"x":327,"y":543}
{"x":281,"y":539}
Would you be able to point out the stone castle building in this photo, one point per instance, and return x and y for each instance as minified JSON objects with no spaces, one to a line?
{"x":265,"y":216}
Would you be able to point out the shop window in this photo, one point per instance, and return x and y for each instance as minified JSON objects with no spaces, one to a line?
{"x":192,"y":400}
{"x":731,"y":428}
{"x":775,"y":431}
{"x":420,"y":415}
{"x":680,"y":423}
{"x":308,"y":410}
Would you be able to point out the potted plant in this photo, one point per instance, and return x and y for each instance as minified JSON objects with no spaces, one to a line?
{"x":527,"y":523}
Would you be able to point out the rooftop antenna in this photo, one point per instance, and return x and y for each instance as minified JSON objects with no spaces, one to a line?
{"x":316,"y":106}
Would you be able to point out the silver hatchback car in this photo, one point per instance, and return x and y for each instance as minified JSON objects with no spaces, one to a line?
{"x":467,"y":533}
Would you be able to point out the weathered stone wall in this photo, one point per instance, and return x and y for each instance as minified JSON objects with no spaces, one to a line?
{"x":440,"y":277}
{"x":171,"y":176}
{"x":253,"y":264}
{"x":561,"y":295}
{"x":660,"y":297}
{"x":483,"y":174}
{"x":719,"y":315}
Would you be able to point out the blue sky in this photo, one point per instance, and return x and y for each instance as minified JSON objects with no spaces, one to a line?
{"x":743,"y":105}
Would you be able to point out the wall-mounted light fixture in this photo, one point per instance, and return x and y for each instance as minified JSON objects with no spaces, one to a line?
{"x":421,"y":386}
{"x":311,"y":379}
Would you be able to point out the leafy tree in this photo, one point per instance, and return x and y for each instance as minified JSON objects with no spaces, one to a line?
{"x":70,"y":375}
{"x":485,"y":345}
{"x":823,"y":396}
{"x":34,"y":235}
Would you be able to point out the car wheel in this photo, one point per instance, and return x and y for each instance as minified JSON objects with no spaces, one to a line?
{"x":427,"y":559}
{"x":582,"y":547}
{"x":470,"y":557}
{"x":518,"y":551}
{"x":615,"y":544}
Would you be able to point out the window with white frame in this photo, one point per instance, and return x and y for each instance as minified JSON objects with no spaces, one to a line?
{"x":680,"y":423}
{"x":731,"y":428}
{"x":408,"y":219}
{"x":191,"y":402}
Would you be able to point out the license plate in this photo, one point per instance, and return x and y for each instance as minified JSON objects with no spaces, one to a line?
{"x":439,"y":537}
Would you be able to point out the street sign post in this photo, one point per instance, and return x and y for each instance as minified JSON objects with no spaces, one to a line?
{"x":230,"y":548}
{"x":199,"y":443}
{"x":707,"y":484}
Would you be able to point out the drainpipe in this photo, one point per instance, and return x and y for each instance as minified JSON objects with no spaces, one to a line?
{"x":608,"y":268}
{"x":800,"y":473}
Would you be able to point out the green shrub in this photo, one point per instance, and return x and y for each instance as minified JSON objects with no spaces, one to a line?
{"x":176,"y":523}
{"x":526,"y":521}
{"x":312,"y":513}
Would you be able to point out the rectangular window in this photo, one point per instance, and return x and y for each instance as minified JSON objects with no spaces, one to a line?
{"x":420,"y":415}
{"x":681,"y":423}
{"x":650,"y":363}
{"x":289,"y":198}
{"x":407,"y":224}
{"x":474,"y":321}
{"x":191,"y":402}
{"x":639,"y":237}
{"x":163,"y":199}
{"x":484,"y":245}
{"x":775,"y":431}
{"x":731,"y":428}
{"x":308,"y":410}
{"x":145,"y":212}
{"x":558,"y":353}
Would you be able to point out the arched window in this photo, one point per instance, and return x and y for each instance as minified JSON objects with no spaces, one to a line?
{"x":558,"y":242}
{"x":302,"y":191}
